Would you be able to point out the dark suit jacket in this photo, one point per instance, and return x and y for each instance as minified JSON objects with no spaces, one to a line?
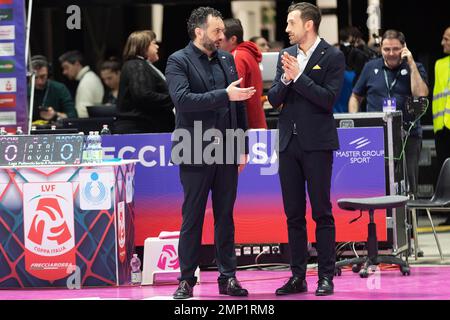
{"x":144,"y":104}
{"x":308,"y":103}
{"x":193,"y":96}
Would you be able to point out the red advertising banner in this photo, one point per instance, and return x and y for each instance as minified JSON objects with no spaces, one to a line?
{"x":48,"y":229}
{"x":13,"y":82}
{"x":7,"y":100}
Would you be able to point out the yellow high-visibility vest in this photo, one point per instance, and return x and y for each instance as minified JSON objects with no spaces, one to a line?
{"x":441,"y":94}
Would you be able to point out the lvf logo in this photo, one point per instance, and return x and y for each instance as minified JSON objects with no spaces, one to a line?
{"x":74,"y":20}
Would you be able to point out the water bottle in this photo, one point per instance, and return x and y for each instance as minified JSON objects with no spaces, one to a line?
{"x":98,"y":151}
{"x":136,"y":273}
{"x":93,"y":148}
{"x":105,"y":130}
{"x":100,"y":148}
{"x":85,"y":149}
{"x":19,"y":131}
{"x":87,"y":152}
{"x":3,"y":131}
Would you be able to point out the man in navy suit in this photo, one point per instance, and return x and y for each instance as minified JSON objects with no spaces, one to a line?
{"x":308,"y":81}
{"x":203,"y":85}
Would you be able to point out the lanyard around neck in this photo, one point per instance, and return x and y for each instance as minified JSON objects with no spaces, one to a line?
{"x":390,"y":87}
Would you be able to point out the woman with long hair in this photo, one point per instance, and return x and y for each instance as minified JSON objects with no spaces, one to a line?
{"x":144,"y":104}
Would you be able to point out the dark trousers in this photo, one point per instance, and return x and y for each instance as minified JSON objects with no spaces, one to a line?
{"x":412,"y":156}
{"x":442,"y":140}
{"x":298,"y":167}
{"x":197,"y":181}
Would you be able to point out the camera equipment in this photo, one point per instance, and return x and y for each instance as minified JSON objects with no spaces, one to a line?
{"x":415,"y":106}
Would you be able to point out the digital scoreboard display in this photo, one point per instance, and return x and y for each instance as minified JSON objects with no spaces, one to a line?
{"x":41,"y":150}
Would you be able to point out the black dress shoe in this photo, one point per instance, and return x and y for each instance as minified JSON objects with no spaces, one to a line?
{"x":325,"y":287}
{"x":293,"y":285}
{"x":184,"y":291}
{"x":232,"y":287}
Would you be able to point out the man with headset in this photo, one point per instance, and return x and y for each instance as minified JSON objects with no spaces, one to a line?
{"x":52,"y":99}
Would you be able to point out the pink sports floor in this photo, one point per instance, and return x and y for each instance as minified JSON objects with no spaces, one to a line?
{"x":424,"y":283}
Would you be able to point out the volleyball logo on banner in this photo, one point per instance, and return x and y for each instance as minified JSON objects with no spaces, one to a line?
{"x":168,"y":258}
{"x":95,"y":189}
{"x":121,"y":231}
{"x":48,"y":229}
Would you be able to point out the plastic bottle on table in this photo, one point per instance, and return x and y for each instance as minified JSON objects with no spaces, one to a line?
{"x":105,"y":130}
{"x":87,"y":152}
{"x":19,"y":131}
{"x":98,"y":151}
{"x":136,"y":273}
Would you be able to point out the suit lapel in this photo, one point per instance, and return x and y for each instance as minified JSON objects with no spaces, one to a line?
{"x":229,"y":71}
{"x":316,"y":56}
{"x":193,"y":57}
{"x":292,"y":51}
{"x":226,"y":67}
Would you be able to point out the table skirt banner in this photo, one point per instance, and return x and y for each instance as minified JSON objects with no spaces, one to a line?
{"x":358,"y":171}
{"x":66,"y":226}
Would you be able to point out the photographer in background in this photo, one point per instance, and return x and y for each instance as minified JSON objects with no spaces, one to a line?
{"x":355,"y":50}
{"x":52,"y":99}
{"x":357,"y":54}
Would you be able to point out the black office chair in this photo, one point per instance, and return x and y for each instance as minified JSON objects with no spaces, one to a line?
{"x":439,"y":202}
{"x":372,"y":259}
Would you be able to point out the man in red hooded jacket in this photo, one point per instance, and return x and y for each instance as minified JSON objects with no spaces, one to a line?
{"x":247,"y":57}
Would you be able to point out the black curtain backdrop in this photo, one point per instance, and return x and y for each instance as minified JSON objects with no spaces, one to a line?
{"x":422,"y":23}
{"x":175,"y":35}
{"x":281,"y":15}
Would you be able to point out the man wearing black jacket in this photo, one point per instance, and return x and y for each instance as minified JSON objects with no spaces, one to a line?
{"x":203,"y":84}
{"x":308,"y":80}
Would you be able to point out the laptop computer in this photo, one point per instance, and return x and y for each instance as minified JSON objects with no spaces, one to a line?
{"x":88,"y":124}
{"x":55,"y":131}
{"x":269,"y":65}
{"x":102,"y":111}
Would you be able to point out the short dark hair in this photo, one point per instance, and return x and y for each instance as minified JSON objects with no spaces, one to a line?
{"x":394,"y":34}
{"x":39,"y":61}
{"x":255,"y":38}
{"x":308,"y":11}
{"x":112,"y":63}
{"x":72,"y":57}
{"x":199,"y":17}
{"x":233,"y":27}
{"x":346,"y":33}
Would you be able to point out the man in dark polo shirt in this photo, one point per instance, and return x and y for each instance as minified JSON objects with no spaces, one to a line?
{"x":394,"y":77}
{"x":52,"y":99}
